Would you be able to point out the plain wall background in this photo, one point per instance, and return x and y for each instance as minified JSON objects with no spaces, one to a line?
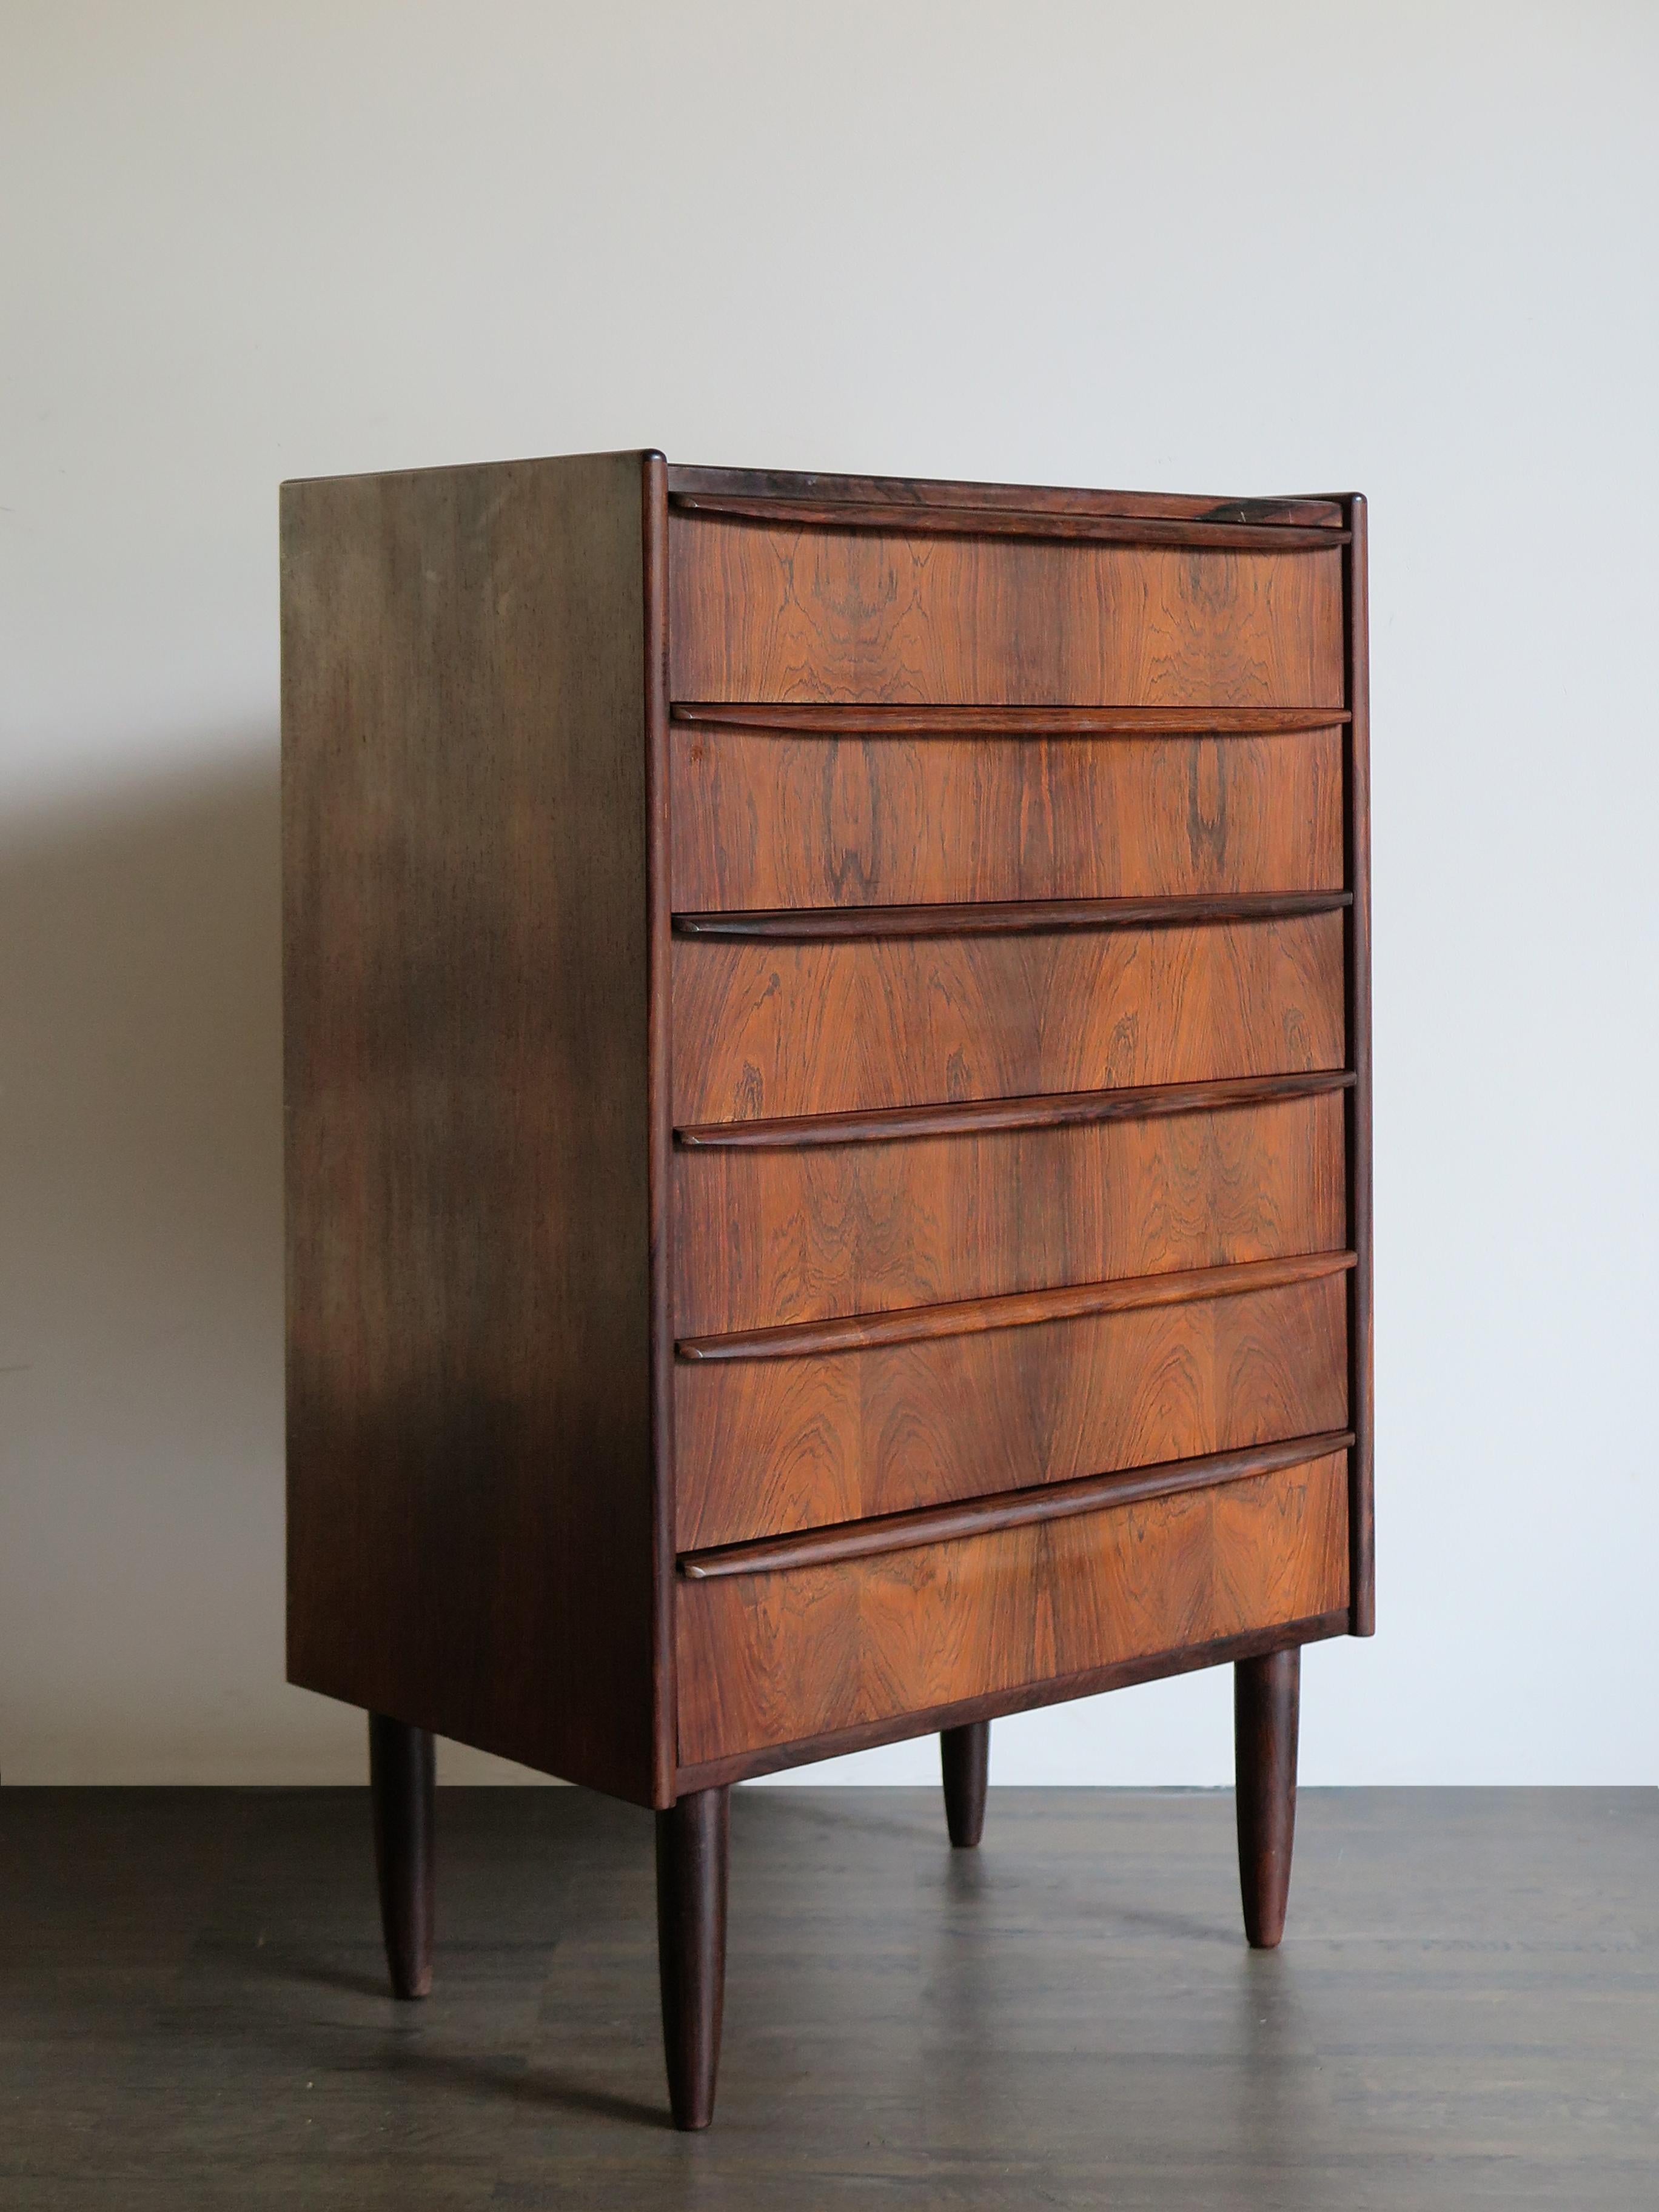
{"x":1409,"y":249}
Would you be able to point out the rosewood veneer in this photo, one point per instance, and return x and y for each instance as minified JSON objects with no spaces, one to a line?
{"x":827,"y":1132}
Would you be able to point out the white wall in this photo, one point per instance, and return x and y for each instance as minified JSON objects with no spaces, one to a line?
{"x":1192,"y":246}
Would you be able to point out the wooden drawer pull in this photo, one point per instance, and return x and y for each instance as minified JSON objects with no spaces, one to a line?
{"x":1011,"y":1509}
{"x":968,"y":1317}
{"x":1005,"y":522}
{"x":830,"y":719}
{"x":1025,"y":917}
{"x":901,"y":496}
{"x":977,"y":1117}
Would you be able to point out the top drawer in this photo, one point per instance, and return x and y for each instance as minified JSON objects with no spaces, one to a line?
{"x":767,"y":611}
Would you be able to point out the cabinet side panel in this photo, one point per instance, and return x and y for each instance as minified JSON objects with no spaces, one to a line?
{"x":470,"y":1455}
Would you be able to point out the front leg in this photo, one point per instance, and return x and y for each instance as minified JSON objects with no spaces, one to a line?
{"x":693,"y":1855}
{"x":965,"y":1757}
{"x":400,"y":1781}
{"x":1267,"y":1698}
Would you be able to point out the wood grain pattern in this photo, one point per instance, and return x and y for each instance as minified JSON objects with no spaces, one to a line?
{"x":764,"y":820}
{"x":761,"y":1237}
{"x":901,"y":495}
{"x":1055,"y":1109}
{"x":1016,"y":1310}
{"x":763,"y":1031}
{"x":1008,"y":1508}
{"x":465,"y":862}
{"x":1029,"y":1697}
{"x":768,"y":1659}
{"x":773,"y":1444}
{"x":760,"y":613}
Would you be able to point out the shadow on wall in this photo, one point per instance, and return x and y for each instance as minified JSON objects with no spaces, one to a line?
{"x":141,"y":1516}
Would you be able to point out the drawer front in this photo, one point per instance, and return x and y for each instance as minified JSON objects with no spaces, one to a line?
{"x":765,"y":1029}
{"x":762,"y":1237}
{"x":767,"y":1445}
{"x":760,"y":818}
{"x":778,"y":1658}
{"x":764,"y":611}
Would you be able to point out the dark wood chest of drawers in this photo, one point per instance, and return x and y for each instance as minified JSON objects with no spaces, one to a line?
{"x":827,"y":1089}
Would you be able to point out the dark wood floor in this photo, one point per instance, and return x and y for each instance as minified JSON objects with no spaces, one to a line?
{"x":1465,"y":2012}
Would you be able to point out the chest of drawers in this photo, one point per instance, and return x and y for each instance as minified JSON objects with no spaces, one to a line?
{"x":828,"y":1130}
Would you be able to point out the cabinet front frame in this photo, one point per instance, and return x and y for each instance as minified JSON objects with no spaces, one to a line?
{"x":960,"y":511}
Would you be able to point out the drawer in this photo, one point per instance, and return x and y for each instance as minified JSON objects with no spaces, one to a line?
{"x":763,"y":610}
{"x":781,"y":1658}
{"x":836,"y":815}
{"x":766,"y":1027}
{"x":796,"y":1230}
{"x":850,"y":1420}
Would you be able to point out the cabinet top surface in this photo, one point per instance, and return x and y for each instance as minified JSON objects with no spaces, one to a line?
{"x":690,"y":484}
{"x":912,"y":494}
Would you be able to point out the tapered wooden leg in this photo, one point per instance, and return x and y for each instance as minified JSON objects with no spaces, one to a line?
{"x":693,"y":1853}
{"x":965,"y":1755}
{"x":400,"y":1780}
{"x":1267,"y":1698}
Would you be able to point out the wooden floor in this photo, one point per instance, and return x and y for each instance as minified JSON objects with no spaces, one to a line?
{"x":1465,"y":2012}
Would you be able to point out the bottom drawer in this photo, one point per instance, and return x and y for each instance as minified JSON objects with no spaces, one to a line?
{"x":779,"y":1657}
